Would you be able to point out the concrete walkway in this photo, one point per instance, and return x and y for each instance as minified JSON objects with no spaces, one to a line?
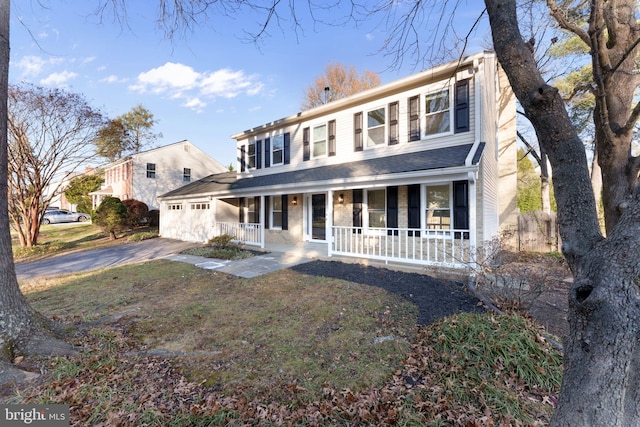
{"x":278,"y":257}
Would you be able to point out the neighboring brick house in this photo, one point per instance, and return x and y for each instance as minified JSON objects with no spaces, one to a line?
{"x":420,"y":170}
{"x":146,"y":175}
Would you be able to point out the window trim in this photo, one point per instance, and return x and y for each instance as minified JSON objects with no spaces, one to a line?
{"x":151,"y":170}
{"x":312,"y":142}
{"x":272,"y":151}
{"x":437,"y":231}
{"x":249,"y":164}
{"x":385,"y":126}
{"x":272,"y":211}
{"x":449,"y":87}
{"x":366,"y":211}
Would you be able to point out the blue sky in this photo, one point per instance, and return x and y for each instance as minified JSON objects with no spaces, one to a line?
{"x":209,"y":84}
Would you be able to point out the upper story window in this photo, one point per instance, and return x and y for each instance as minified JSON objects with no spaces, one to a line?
{"x":277,"y":150}
{"x":251,"y":155}
{"x":438,"y":112}
{"x":200,"y":206}
{"x":151,"y":170}
{"x":186,"y":175}
{"x":318,"y":141}
{"x":319,"y":136}
{"x":376,"y":121}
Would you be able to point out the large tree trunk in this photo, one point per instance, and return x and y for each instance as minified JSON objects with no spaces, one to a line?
{"x":15,"y":314}
{"x":21,"y":328}
{"x":601,"y":383}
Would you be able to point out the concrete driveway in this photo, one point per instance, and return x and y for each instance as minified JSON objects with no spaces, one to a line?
{"x":96,"y":259}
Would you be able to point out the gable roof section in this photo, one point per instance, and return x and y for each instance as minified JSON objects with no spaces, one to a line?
{"x":440,"y":158}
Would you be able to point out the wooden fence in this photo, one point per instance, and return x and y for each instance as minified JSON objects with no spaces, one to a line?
{"x":538,"y":232}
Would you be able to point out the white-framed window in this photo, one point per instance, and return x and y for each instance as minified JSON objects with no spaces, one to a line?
{"x":200,"y":206}
{"x":438,"y":214}
{"x":376,"y":205}
{"x":251,"y":216}
{"x":376,"y":127}
{"x":319,"y":140}
{"x":174,"y":206}
{"x":151,"y":170}
{"x":438,"y":112}
{"x":276,"y":212}
{"x":277,"y":150}
{"x":251,"y":155}
{"x":186,"y":175}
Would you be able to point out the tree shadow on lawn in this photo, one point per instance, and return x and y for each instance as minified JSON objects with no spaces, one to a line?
{"x":435,"y":298}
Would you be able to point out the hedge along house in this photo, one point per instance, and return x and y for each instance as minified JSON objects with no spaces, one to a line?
{"x":421,"y":170}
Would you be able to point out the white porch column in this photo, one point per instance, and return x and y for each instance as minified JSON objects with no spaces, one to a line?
{"x":473,"y":220}
{"x":329,"y":222}
{"x":263,"y":208}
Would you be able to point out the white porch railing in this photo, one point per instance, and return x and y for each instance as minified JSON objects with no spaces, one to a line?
{"x":248,"y":234}
{"x":433,"y":247}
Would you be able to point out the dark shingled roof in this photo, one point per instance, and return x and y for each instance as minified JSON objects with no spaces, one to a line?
{"x":438,"y":158}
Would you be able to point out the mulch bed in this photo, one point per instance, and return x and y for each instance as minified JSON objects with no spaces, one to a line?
{"x":435,"y":298}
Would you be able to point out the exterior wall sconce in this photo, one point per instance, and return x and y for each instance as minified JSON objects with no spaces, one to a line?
{"x":341,"y":198}
{"x":295,"y":200}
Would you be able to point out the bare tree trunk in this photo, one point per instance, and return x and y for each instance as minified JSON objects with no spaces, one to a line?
{"x":15,"y":314}
{"x":601,"y":382}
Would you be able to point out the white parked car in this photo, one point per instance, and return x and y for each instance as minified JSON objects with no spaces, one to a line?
{"x":59,"y":215}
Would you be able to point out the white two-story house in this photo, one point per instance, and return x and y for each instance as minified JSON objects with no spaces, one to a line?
{"x":146,"y":175}
{"x":421,"y":170}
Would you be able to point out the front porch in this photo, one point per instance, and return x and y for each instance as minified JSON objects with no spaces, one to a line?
{"x":443,"y":248}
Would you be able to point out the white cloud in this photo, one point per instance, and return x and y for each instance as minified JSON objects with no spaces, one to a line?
{"x":179,"y":81}
{"x":31,"y":65}
{"x":112,"y":79}
{"x":58,"y":79}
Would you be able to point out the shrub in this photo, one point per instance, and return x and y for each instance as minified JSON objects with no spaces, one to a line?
{"x":137,"y":211}
{"x":223,"y":241}
{"x":111,"y":215}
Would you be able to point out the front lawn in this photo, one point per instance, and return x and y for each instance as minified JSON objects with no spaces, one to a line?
{"x":166,"y":343}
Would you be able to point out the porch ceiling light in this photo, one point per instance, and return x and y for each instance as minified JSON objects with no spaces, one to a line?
{"x":295,"y":200}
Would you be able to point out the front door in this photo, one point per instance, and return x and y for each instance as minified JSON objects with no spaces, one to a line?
{"x":318,"y":217}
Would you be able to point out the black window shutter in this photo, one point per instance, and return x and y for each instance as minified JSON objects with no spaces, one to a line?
{"x":285,"y":212}
{"x":461,"y":206}
{"x":243,"y":158}
{"x":413,"y":212}
{"x":241,"y":210}
{"x":393,"y":123}
{"x":256,"y":214}
{"x":414,"y":118}
{"x":392,"y":210}
{"x":461,"y":118}
{"x":357,"y":208}
{"x":332,"y":138}
{"x":306,"y":150}
{"x":357,"y":136}
{"x":287,"y":148}
{"x":267,"y":208}
{"x":259,"y":154}
{"x":267,"y":152}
